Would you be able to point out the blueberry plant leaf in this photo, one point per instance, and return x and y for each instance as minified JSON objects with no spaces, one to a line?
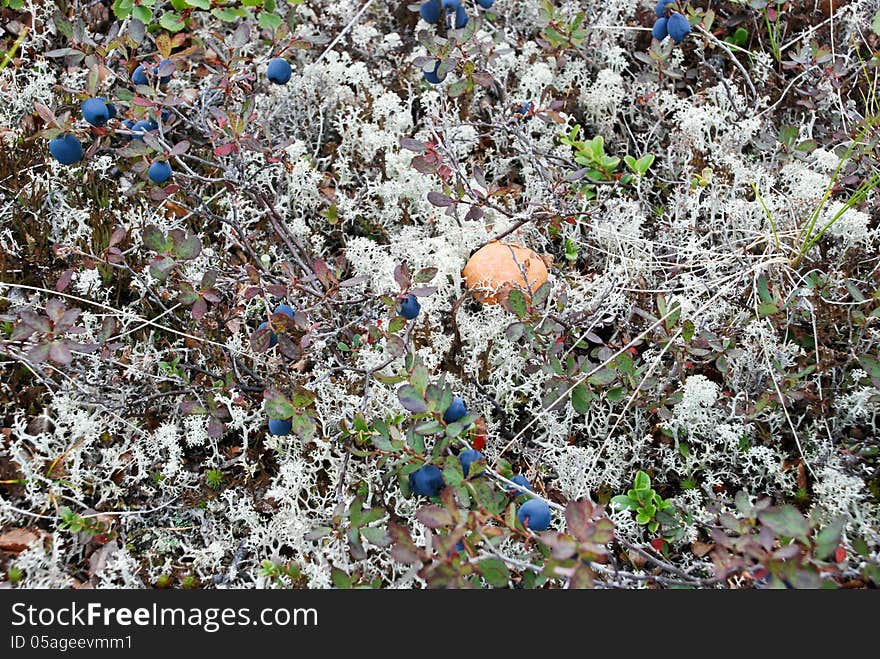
{"x":278,"y":406}
{"x":411,"y":399}
{"x":785,"y":520}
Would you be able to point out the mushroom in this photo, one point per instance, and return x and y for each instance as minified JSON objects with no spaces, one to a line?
{"x":496,"y":268}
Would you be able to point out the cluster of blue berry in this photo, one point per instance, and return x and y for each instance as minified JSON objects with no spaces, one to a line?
{"x":452,"y":11}
{"x":97,"y":111}
{"x":670,"y":22}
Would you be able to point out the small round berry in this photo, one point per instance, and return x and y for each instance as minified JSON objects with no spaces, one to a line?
{"x":280,"y":426}
{"x":278,"y":71}
{"x":410,"y":307}
{"x":431,"y":75}
{"x":663,"y":7}
{"x":659,"y":30}
{"x":273,"y":339}
{"x":141,"y":126}
{"x":286,"y":309}
{"x":456,"y":410}
{"x":467,"y":458}
{"x":522,"y":481}
{"x":534,"y":514}
{"x":426,"y":481}
{"x":139,"y":76}
{"x":94,"y":110}
{"x":159,"y":172}
{"x":430,"y":11}
{"x":678,"y":27}
{"x":461,"y":17}
{"x":66,"y":149}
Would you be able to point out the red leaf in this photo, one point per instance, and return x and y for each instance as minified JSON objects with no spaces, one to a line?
{"x":64,"y":280}
{"x":479,"y":442}
{"x":200,"y":308}
{"x":658,"y":544}
{"x":839,"y":554}
{"x":224,"y":149}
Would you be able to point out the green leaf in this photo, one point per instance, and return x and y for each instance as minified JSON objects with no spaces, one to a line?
{"x":785,"y":521}
{"x":458,"y":88}
{"x":494,"y":571}
{"x":622,"y":502}
{"x":396,"y":324}
{"x":269,"y":21}
{"x":226,"y":15}
{"x":303,"y":397}
{"x":155,"y":240}
{"x":411,"y":399}
{"x":419,"y":378}
{"x":767,"y":309}
{"x":580,"y":398}
{"x":875,"y":24}
{"x":376,"y":536}
{"x":186,"y":245}
{"x":517,"y":302}
{"x":340,"y":579}
{"x":143,"y":14}
{"x":171,"y":22}
{"x":161,"y":266}
{"x":687,"y":330}
{"x":642,"y":482}
{"x":604,"y":377}
{"x":828,"y":539}
{"x":454,"y":429}
{"x":122,"y":8}
{"x":277,"y":404}
{"x":201,"y":4}
{"x":429,"y":427}
{"x":871,"y":365}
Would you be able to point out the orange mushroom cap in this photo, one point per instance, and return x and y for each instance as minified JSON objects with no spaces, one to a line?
{"x":496,"y":268}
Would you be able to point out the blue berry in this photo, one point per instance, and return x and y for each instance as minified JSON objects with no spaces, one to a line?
{"x":522,"y":481}
{"x":451,"y":5}
{"x":111,"y":110}
{"x":486,"y":4}
{"x":141,"y":127}
{"x":431,"y":76}
{"x":273,"y":339}
{"x":166,"y":114}
{"x":663,"y":7}
{"x":461,"y":17}
{"x":278,"y":71}
{"x":139,"y":76}
{"x":94,"y":110}
{"x":426,"y":481}
{"x":456,"y":410}
{"x":678,"y":27}
{"x":410,"y":307}
{"x":280,"y":426}
{"x":534,"y":514}
{"x":430,"y":11}
{"x":286,"y":309}
{"x":659,"y":31}
{"x":66,"y":149}
{"x":159,"y":172}
{"x":467,"y":458}
{"x":459,"y":546}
